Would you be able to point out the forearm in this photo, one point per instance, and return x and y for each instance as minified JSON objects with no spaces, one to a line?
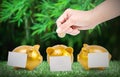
{"x":107,"y":10}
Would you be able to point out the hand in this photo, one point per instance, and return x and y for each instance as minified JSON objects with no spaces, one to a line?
{"x":72,"y":21}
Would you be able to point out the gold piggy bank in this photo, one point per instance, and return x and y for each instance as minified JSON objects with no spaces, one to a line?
{"x":82,"y":57}
{"x":34,"y":58}
{"x":59,"y":50}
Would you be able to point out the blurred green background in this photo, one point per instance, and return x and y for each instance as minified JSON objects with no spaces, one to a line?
{"x":30,"y":22}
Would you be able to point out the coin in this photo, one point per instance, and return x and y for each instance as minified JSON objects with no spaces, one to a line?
{"x":61,"y":35}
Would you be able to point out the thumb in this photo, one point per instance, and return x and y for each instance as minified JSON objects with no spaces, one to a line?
{"x":65,"y":26}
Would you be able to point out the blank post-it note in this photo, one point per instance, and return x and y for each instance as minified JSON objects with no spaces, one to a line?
{"x":17,"y":59}
{"x":98,"y":60}
{"x":60,"y":63}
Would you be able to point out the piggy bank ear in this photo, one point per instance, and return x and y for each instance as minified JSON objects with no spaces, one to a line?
{"x":49,"y":50}
{"x":85,"y":48}
{"x":69,"y":49}
{"x":85,"y":45}
{"x":36,"y":47}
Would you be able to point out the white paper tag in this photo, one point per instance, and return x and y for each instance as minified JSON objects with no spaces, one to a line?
{"x":60,"y":63}
{"x":17,"y":59}
{"x":98,"y":60}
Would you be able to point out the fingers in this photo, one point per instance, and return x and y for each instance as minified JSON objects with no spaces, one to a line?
{"x":63,"y":18}
{"x":65,"y":26}
{"x":69,"y":31}
{"x":65,"y":23}
{"x":68,"y":28}
{"x":74,"y":32}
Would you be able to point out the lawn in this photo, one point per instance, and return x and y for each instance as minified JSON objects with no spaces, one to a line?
{"x":77,"y":71}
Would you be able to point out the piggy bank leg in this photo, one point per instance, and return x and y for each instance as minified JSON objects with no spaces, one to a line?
{"x":86,"y":68}
{"x":30,"y":69}
{"x":101,"y":68}
{"x":16,"y":68}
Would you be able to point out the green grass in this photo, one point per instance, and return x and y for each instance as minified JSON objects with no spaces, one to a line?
{"x":77,"y":71}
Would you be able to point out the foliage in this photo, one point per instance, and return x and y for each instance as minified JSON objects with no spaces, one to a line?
{"x":41,"y":15}
{"x":15,"y":10}
{"x":43,"y":70}
{"x":33,"y":22}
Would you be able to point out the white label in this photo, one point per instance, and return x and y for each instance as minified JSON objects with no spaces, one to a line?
{"x":17,"y":59}
{"x":98,"y":60}
{"x":60,"y":63}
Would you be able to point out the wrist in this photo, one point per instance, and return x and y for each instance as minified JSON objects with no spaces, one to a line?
{"x":94,"y":17}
